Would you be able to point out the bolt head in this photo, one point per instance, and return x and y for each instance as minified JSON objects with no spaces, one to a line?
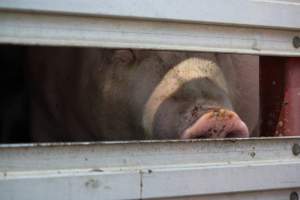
{"x":296,"y":149}
{"x":296,"y":42}
{"x":294,"y":196}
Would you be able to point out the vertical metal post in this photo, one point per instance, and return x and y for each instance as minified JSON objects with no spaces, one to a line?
{"x":289,"y":121}
{"x":271,"y":85}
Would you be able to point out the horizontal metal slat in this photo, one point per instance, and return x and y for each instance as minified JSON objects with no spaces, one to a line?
{"x":259,"y":13}
{"x":151,"y":183}
{"x":150,"y":169}
{"x":62,"y":30}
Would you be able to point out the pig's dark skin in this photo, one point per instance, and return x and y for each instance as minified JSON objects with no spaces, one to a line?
{"x":81,"y":94}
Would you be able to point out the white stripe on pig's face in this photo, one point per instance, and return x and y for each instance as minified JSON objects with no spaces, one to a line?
{"x":187,"y":91}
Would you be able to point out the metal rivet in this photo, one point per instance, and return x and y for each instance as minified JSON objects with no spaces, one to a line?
{"x":294,"y":196}
{"x":296,"y":149}
{"x":296,"y":42}
{"x":252,"y":154}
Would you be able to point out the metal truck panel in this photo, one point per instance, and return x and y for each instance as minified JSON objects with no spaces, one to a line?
{"x":150,"y":169}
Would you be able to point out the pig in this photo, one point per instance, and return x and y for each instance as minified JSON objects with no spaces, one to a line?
{"x":85,"y":94}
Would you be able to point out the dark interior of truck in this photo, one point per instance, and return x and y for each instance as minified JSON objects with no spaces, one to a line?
{"x":15,"y":114}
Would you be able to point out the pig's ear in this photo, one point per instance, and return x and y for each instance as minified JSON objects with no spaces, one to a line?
{"x":123,"y":57}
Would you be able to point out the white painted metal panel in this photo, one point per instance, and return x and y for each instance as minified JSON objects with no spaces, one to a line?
{"x":263,"y":13}
{"x":216,"y":179}
{"x":71,"y":186}
{"x":156,"y":169}
{"x":230,"y":169}
{"x":62,"y":30}
{"x":262,"y":195}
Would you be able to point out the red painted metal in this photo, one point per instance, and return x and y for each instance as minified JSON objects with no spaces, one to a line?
{"x":289,"y":121}
{"x":271,"y":93}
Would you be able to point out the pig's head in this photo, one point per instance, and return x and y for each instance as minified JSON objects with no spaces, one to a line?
{"x":192,"y":100}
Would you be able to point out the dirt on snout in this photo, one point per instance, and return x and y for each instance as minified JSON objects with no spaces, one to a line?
{"x":221,"y":114}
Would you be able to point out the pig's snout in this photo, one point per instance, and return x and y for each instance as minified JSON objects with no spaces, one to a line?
{"x":219,"y":123}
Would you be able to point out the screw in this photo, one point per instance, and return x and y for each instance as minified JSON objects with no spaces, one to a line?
{"x":294,"y":196}
{"x":252,"y":154}
{"x":296,"y":42}
{"x":296,"y":149}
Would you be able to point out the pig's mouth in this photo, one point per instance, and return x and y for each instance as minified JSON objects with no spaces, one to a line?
{"x":218,"y":123}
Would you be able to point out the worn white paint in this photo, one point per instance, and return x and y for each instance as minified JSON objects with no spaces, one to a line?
{"x":66,"y":30}
{"x":262,"y":13}
{"x":261,"y":195}
{"x":154,"y":169}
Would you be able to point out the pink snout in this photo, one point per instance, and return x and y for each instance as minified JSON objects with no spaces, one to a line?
{"x":219,"y":123}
